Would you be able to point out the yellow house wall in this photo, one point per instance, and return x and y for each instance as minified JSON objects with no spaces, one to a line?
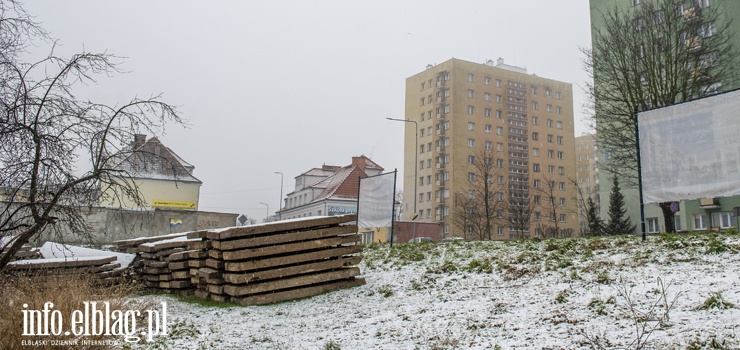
{"x":152,"y":190}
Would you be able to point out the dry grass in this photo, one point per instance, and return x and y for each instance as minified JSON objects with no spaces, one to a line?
{"x":67,"y":293}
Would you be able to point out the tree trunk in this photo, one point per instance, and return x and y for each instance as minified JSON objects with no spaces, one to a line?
{"x":669,"y":217}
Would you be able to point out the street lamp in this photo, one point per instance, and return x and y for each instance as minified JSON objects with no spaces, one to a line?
{"x":416,"y":161}
{"x":280,"y":202}
{"x":267,"y":211}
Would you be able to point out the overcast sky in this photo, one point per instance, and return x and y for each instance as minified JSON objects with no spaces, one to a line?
{"x":289,"y":85}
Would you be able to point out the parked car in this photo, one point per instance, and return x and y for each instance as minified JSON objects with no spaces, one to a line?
{"x":421,"y":239}
{"x":452,"y":239}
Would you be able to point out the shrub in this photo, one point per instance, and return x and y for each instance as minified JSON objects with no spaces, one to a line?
{"x":716,"y":301}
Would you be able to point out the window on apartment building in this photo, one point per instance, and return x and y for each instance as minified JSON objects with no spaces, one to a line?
{"x":537,"y":199}
{"x":558,"y":110}
{"x":421,"y":197}
{"x":536,"y":152}
{"x":421,"y":165}
{"x":549,"y":123}
{"x":471,"y":126}
{"x":447,"y":109}
{"x":500,"y":180}
{"x":430,"y":99}
{"x":535,"y":136}
{"x":498,"y":114}
{"x":557,"y":95}
{"x":723,"y":220}
{"x":561,"y":155}
{"x":550,"y":153}
{"x":498,"y":83}
{"x":423,"y":86}
{"x":535,"y":167}
{"x":560,"y":140}
{"x":471,"y":93}
{"x":471,"y":77}
{"x":652,"y":225}
{"x":499,"y":163}
{"x":563,"y":217}
{"x":498,"y":98}
{"x":534,"y":105}
{"x":471,"y":159}
{"x":537,"y":216}
{"x":421,"y":149}
{"x":549,"y":108}
{"x":487,"y":112}
{"x":534,"y":90}
{"x":549,"y":138}
{"x":471,"y":110}
{"x":423,"y":101}
{"x":561,"y":170}
{"x":487,"y":80}
{"x":421,"y":181}
{"x":471,"y":143}
{"x":551,"y":169}
{"x":471,"y":177}
{"x":547,"y":92}
{"x":499,"y":130}
{"x":636,"y":2}
{"x":488,"y":128}
{"x":489,"y":145}
{"x":562,"y":201}
{"x":561,"y":186}
{"x":677,"y":223}
{"x":487,"y":96}
{"x":499,"y":146}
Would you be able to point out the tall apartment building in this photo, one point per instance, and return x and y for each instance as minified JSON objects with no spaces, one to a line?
{"x":692,"y":215}
{"x":587,"y":175}
{"x":518,"y":126}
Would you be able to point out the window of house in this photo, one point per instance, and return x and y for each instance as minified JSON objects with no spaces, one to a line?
{"x":700,"y":221}
{"x":487,"y":80}
{"x":677,"y":223}
{"x":723,"y":220}
{"x":471,"y":77}
{"x":652,"y":225}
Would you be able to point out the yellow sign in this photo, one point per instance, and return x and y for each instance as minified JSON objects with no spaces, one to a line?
{"x":173,"y":204}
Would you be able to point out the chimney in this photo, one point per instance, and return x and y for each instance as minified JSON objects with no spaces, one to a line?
{"x":139,"y":140}
{"x":359,"y":162}
{"x":499,"y":61}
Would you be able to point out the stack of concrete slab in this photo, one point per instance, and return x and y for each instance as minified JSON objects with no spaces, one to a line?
{"x":284,"y":260}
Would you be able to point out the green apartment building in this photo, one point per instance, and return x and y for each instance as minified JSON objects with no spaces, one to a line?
{"x":702,"y":214}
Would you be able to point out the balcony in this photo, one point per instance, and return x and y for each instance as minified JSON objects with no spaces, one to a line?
{"x":709,"y":203}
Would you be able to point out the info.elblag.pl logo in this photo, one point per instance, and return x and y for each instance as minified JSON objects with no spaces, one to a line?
{"x":95,"y":319}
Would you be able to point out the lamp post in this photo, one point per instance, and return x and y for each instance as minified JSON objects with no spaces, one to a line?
{"x":267,"y":211}
{"x":416,"y":161}
{"x":280,"y":202}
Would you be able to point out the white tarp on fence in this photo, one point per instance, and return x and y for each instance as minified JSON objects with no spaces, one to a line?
{"x":691,"y":150}
{"x":375,"y":202}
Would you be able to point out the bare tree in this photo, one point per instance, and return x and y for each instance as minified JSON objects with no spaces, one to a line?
{"x":553,"y":208}
{"x":520,"y":209}
{"x":651,"y":55}
{"x":46,"y":132}
{"x":479,"y":210}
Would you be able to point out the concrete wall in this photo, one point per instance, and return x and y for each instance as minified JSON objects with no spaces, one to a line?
{"x":109,"y":225}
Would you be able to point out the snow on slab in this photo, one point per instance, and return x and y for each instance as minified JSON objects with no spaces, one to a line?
{"x":176,"y":239}
{"x":149,"y":238}
{"x":51,"y":250}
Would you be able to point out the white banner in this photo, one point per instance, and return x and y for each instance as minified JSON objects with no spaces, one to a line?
{"x":375,"y":203}
{"x":691,"y":150}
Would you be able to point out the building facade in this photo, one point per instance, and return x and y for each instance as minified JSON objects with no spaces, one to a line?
{"x":164,"y":179}
{"x":497,"y":128}
{"x":587,"y":176}
{"x":690,"y":215}
{"x":329,"y":190}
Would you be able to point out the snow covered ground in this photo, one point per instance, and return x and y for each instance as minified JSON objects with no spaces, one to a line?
{"x":555,"y":294}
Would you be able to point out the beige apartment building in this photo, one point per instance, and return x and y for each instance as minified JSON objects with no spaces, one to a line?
{"x":490,"y":130}
{"x":587,"y":175}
